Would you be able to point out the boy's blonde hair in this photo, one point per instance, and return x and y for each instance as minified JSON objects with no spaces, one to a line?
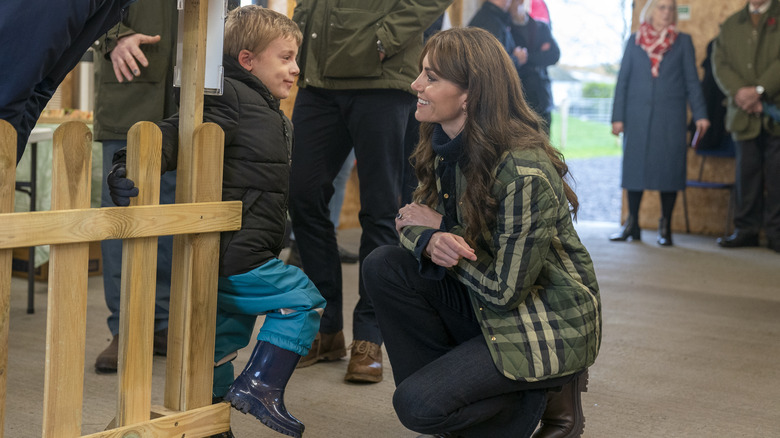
{"x":254,"y":27}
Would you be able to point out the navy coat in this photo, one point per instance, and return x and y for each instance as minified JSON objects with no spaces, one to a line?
{"x":654,"y":115}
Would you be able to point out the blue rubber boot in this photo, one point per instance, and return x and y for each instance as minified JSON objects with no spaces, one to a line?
{"x":259,"y":389}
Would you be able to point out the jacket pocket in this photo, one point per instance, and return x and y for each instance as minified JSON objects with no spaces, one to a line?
{"x":351,"y":49}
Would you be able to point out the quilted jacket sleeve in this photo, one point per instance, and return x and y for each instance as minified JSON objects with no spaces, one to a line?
{"x":503,"y":278}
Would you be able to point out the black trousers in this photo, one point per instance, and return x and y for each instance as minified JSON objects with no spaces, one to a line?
{"x":758,"y":185}
{"x":328,"y":124}
{"x":446,"y":380}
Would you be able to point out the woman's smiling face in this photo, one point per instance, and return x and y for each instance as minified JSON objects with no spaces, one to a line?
{"x":439,"y":100}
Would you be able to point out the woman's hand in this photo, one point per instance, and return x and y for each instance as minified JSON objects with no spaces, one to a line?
{"x":702,"y":125}
{"x":446,"y":249}
{"x":417,"y":214}
{"x":617,"y":128}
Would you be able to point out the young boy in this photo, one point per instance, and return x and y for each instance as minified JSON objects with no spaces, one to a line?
{"x":260,"y":68}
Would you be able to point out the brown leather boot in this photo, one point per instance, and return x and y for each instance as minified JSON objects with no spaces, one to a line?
{"x":326,"y":347}
{"x":563,"y":417}
{"x":365,"y":363}
{"x":106,"y":361}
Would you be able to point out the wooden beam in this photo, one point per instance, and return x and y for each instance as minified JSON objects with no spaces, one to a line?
{"x":193,"y":71}
{"x":196,"y":423}
{"x":89,"y":225}
{"x":66,"y":322}
{"x":7,"y":190}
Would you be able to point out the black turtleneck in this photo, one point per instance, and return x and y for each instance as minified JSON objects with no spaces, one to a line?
{"x":449,"y":153}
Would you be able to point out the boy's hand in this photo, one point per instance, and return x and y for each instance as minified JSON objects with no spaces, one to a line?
{"x":121,"y":188}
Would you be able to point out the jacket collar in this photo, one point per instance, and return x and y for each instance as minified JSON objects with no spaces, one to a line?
{"x":744,"y":14}
{"x":234,"y":70}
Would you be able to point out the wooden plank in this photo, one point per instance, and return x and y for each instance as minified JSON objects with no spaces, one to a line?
{"x":138,"y":283}
{"x":7,"y":192}
{"x":87,"y":225}
{"x":67,"y":296}
{"x":196,"y":423}
{"x":190,"y":116}
{"x":191,"y":320}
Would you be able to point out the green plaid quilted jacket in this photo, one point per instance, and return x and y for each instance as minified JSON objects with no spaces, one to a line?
{"x":533,"y":285}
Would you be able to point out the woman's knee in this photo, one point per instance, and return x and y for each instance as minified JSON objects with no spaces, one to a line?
{"x":380,"y":267}
{"x":415,"y":410}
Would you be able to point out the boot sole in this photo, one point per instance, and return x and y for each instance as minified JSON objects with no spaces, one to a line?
{"x":362,"y":378}
{"x":246,"y":408}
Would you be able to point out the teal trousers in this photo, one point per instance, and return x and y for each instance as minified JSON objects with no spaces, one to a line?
{"x":292,"y":306}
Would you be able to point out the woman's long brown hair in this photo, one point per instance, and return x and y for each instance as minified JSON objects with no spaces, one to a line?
{"x":498,"y":119}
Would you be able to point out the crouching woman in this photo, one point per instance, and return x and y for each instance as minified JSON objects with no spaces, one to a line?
{"x":490,"y":309}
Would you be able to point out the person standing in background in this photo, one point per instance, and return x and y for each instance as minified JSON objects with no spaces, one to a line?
{"x":493,"y":16}
{"x":134,"y":82}
{"x":657,"y":78}
{"x":357,"y":60}
{"x":535,"y":50}
{"x":745,"y":64}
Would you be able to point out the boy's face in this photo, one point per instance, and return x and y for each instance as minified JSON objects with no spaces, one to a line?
{"x":276,"y":67}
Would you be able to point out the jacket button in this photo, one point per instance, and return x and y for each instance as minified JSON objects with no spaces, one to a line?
{"x":446,"y":196}
{"x":314,"y":35}
{"x":493,"y":338}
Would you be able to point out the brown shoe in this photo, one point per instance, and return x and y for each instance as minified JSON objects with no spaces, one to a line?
{"x":326,"y":347}
{"x":365,"y":363}
{"x":106,"y":361}
{"x":563,"y":416}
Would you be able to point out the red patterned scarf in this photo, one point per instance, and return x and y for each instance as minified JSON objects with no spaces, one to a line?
{"x":655,"y":43}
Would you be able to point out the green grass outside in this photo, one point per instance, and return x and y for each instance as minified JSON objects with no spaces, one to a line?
{"x":584,"y":139}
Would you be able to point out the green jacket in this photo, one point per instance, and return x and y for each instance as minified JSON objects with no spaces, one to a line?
{"x":743,"y":56}
{"x":339,"y":50}
{"x":533,"y":285}
{"x":148,"y":97}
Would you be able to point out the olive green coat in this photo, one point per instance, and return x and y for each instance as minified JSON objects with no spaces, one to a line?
{"x":339,"y":50}
{"x":148,"y":97}
{"x":744,"y":56}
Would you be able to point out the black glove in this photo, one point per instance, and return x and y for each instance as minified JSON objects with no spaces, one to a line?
{"x":121,"y":188}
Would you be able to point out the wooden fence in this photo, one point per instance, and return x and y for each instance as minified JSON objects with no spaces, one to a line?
{"x":70,"y":226}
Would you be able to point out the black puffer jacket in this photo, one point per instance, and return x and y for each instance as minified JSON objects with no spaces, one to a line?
{"x":258,"y":142}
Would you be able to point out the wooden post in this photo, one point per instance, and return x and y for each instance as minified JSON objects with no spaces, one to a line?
{"x":190,"y":116}
{"x":138,"y":283}
{"x":66,"y":322}
{"x":7,"y":187}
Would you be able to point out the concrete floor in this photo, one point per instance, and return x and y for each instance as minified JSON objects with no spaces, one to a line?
{"x":690,"y":349}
